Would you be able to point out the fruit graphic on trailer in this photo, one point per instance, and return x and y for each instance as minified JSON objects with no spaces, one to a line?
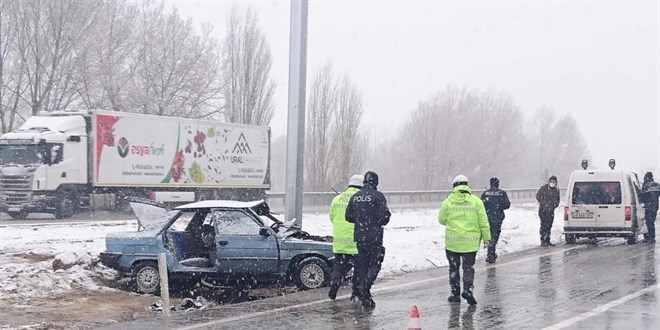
{"x":177,"y":166}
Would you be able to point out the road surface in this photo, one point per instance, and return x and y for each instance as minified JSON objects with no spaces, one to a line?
{"x":608,"y":285}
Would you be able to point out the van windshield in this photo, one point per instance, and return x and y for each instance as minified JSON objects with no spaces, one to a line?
{"x":597,"y":193}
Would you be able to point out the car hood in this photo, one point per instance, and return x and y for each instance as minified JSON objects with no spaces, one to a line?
{"x":151,"y":217}
{"x":287,"y":230}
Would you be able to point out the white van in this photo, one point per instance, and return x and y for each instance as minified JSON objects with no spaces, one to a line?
{"x":603,"y":203}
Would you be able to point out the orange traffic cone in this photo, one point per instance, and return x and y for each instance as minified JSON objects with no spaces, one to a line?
{"x":414,"y":320}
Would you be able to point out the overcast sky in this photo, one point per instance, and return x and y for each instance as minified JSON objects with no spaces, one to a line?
{"x":598,"y":61}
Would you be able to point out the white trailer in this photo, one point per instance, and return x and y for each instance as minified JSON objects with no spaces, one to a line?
{"x":60,"y":161}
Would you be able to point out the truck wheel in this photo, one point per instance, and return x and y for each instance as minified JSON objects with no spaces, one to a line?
{"x":632,"y":239}
{"x":18,"y":215}
{"x":147,"y":278}
{"x":570,"y":238}
{"x":311,"y":273}
{"x":66,"y":206}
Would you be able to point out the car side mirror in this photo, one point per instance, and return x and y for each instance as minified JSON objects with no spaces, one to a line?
{"x":264,"y":232}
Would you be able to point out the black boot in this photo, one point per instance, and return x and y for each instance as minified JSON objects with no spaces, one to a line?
{"x":467,"y":295}
{"x":367,"y":301}
{"x":332,"y":294}
{"x":454,"y":299}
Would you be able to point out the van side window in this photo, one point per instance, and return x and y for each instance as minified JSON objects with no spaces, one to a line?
{"x":592,"y":193}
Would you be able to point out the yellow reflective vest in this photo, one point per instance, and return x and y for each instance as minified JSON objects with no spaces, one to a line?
{"x":342,"y":231}
{"x":465,"y":220}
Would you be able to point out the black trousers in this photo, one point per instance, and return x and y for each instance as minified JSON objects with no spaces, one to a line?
{"x":367,"y":266}
{"x":649,"y":218}
{"x":343,"y":264}
{"x":547,"y":217}
{"x":468,"y":260}
{"x":495,"y":230}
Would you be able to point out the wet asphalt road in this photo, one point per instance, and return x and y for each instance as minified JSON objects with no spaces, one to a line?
{"x":609,"y":285}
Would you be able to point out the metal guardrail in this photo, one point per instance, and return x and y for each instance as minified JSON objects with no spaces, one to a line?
{"x":403,"y":198}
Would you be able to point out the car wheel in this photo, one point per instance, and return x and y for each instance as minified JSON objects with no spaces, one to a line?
{"x":570,"y":238}
{"x":18,"y":215}
{"x":311,"y":273}
{"x":632,"y":239}
{"x":66,"y":206}
{"x":147,"y":278}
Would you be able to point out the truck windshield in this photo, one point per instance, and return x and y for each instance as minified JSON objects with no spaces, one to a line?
{"x":21,"y":154}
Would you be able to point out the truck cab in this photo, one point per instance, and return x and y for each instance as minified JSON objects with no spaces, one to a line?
{"x":603,"y":203}
{"x":41,"y":167}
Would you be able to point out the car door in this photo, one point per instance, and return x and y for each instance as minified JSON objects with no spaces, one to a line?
{"x":240,"y":247}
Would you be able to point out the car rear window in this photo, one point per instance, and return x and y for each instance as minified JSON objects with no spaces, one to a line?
{"x":597,"y":193}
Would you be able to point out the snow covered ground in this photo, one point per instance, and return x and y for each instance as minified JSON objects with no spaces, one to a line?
{"x":414,"y":240}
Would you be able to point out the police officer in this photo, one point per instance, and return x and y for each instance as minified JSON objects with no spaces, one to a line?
{"x":548,"y":198}
{"x":496,"y":201}
{"x":649,"y":196}
{"x":343,"y":243}
{"x":368,"y":210}
{"x":466,"y":225}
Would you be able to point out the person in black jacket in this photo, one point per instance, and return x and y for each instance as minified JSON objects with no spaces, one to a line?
{"x":496,"y":201}
{"x":548,"y":198}
{"x":368,"y":210}
{"x":649,"y":196}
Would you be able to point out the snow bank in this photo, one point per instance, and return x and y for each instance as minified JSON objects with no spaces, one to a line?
{"x":414,"y":240}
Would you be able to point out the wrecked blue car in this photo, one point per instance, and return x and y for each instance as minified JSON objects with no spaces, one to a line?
{"x":226,"y":243}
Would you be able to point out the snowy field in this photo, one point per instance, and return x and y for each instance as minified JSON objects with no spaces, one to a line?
{"x":414,"y":240}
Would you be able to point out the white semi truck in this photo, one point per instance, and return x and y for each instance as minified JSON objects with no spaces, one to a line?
{"x":58,"y":162}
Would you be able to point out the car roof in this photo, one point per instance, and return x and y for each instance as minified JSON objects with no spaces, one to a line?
{"x":219,"y":204}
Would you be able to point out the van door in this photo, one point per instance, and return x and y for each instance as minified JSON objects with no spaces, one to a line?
{"x":637,"y":209}
{"x":608,"y":198}
{"x":581,"y":212}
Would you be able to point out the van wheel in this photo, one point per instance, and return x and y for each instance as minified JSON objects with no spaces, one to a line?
{"x":632,"y":239}
{"x":570,"y":238}
{"x":311,"y":273}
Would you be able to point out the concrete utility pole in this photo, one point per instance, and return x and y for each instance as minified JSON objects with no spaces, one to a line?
{"x":296,"y":122}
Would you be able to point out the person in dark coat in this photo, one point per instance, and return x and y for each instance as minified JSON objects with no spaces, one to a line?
{"x":496,"y":201}
{"x":368,"y":210}
{"x":548,"y":198}
{"x":649,"y":196}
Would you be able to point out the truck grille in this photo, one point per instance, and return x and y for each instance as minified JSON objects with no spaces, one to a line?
{"x":9,"y":182}
{"x":15,"y":190}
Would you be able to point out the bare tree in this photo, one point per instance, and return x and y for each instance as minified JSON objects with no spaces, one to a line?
{"x":347,"y":144}
{"x":11,"y":68}
{"x":320,"y":111}
{"x":246,"y":63}
{"x":458,"y":131}
{"x":176,"y":73}
{"x":104,"y":75}
{"x":540,"y":138}
{"x":49,"y":32}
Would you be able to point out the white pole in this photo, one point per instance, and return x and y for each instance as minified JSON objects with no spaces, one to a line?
{"x":164,"y":284}
{"x":296,"y":119}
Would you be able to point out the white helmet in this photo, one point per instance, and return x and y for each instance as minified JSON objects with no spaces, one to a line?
{"x":356,"y":180}
{"x":460,"y":179}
